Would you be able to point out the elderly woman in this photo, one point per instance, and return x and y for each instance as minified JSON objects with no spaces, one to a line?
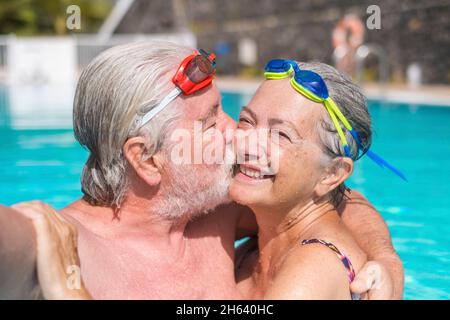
{"x":305,"y":251}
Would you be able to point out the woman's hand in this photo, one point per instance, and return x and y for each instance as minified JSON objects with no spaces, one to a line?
{"x":58,"y":264}
{"x":373,"y":282}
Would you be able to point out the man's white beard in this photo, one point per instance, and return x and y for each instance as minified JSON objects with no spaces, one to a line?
{"x":196,"y":189}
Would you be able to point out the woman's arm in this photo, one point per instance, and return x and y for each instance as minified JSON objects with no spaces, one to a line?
{"x":372,"y":235}
{"x":18,"y":278}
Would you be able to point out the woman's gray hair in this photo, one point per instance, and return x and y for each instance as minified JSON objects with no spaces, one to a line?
{"x":353,"y":104}
{"x":118,"y":86}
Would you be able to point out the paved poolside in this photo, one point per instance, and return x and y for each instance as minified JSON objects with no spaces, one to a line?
{"x":437,"y":95}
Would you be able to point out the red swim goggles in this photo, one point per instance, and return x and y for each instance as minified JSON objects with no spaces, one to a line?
{"x":195,"y":72}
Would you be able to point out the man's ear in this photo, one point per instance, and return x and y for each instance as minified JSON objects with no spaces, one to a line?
{"x":339,"y":170}
{"x":135,"y":150}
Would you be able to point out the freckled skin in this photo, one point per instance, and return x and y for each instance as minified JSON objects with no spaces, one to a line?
{"x":274,"y":100}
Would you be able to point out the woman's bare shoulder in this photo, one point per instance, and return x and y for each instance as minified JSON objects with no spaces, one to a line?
{"x":310,"y":272}
{"x":335,"y":231}
{"x":314,"y":271}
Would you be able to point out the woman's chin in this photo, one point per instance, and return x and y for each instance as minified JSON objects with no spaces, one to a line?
{"x":247,"y":192}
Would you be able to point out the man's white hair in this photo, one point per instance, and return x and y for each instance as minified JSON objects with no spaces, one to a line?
{"x":110,"y":94}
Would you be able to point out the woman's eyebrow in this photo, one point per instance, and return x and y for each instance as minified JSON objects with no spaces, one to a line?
{"x":273,"y":121}
{"x":249,"y":111}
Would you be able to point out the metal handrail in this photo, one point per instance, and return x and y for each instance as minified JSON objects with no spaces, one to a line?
{"x":363,"y":52}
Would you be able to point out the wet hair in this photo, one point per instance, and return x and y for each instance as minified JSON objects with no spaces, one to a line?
{"x":353,"y":104}
{"x":113,"y":90}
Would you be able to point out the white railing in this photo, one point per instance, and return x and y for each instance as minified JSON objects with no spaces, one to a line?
{"x":51,"y":94}
{"x":89,"y":46}
{"x":3,"y":50}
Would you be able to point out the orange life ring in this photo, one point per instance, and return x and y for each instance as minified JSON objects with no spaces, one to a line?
{"x":349,"y":31}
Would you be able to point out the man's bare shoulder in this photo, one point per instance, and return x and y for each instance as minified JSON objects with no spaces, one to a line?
{"x":354,"y":201}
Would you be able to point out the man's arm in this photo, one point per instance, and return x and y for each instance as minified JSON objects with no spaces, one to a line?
{"x":18,"y":277}
{"x":372,"y":235}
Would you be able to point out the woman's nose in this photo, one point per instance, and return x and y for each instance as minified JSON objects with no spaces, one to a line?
{"x":250,"y":145}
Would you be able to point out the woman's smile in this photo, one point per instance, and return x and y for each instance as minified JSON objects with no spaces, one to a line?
{"x":251,"y":174}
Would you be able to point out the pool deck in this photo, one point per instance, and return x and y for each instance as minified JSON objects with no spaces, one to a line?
{"x":433,"y":95}
{"x":428,"y":95}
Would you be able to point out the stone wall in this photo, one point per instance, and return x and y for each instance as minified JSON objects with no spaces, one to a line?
{"x":412,"y":31}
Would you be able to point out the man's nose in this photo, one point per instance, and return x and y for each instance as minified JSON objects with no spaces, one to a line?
{"x":227,"y":126}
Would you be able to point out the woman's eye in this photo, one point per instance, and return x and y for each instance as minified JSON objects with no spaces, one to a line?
{"x":244,"y":121}
{"x":210,"y":126}
{"x":280,"y":134}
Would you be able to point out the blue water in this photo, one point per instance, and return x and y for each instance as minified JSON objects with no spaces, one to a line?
{"x":46,"y":163}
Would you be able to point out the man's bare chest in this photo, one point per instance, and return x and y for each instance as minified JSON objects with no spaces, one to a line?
{"x":207,"y":273}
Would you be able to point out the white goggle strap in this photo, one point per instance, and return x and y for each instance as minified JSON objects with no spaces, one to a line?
{"x":168,"y":99}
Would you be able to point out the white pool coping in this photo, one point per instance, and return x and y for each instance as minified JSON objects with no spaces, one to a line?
{"x":427,"y":95}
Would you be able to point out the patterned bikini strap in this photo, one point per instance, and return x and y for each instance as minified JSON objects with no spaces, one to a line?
{"x":345,"y":260}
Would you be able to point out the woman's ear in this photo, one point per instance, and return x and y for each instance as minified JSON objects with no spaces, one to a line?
{"x":135,"y":150}
{"x":339,"y":170}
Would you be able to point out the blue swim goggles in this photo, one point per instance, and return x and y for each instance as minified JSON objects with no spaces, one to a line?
{"x":313,"y":87}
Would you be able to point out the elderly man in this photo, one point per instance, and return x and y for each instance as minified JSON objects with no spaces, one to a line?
{"x":147,"y":227}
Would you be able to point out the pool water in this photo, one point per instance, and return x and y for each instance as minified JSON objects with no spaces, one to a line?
{"x":45,"y":164}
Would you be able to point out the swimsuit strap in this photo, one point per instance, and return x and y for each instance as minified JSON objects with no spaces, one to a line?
{"x":345,"y":260}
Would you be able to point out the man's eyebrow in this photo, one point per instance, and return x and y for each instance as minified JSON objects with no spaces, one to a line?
{"x":212,"y":112}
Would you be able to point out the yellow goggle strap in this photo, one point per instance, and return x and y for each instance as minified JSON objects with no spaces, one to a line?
{"x":338,"y":112}
{"x":328,"y":101}
{"x":335,"y":113}
{"x":329,"y":104}
{"x":331,"y":108}
{"x":338,"y":127}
